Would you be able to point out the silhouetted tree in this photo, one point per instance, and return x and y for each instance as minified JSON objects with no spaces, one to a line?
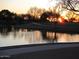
{"x":71,"y":19}
{"x":35,"y":11}
{"x":47,"y":14}
{"x":71,"y":5}
{"x":7,"y":17}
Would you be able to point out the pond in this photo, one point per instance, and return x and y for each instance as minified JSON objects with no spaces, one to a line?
{"x":26,"y":37}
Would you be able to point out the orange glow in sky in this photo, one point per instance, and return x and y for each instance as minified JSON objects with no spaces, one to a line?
{"x":22,"y":6}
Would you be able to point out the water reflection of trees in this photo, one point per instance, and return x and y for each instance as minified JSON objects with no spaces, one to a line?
{"x":49,"y":36}
{"x":5,"y":30}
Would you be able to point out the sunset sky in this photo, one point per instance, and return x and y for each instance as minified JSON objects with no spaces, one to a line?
{"x":22,"y":6}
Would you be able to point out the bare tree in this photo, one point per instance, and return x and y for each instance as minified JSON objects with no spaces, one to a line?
{"x":71,"y":5}
{"x":36,"y":12}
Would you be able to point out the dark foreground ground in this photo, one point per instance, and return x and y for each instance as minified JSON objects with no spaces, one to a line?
{"x":41,"y":51}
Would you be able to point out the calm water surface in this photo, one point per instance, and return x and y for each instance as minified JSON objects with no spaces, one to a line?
{"x":24,"y":37}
